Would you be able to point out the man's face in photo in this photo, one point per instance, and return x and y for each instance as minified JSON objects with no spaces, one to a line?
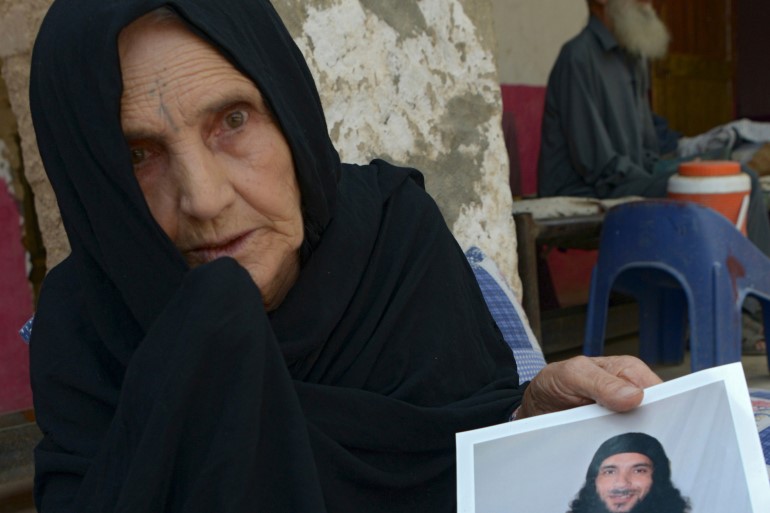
{"x":624,"y":480}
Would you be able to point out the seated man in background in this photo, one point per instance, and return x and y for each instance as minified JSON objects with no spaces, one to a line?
{"x":598,"y":137}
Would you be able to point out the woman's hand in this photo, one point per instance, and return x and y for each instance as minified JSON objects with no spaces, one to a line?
{"x":616,"y":382}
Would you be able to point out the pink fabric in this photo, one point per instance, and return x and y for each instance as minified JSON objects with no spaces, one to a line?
{"x":526,"y":103}
{"x":570,"y":272}
{"x":15,"y":309}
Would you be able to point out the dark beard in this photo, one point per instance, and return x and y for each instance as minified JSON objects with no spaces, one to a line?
{"x":643,"y":506}
{"x":669,"y":501}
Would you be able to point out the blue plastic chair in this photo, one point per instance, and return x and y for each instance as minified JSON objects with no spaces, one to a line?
{"x":679,"y":260}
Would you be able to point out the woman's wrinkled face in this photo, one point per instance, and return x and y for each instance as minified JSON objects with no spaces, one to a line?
{"x":214,"y":167}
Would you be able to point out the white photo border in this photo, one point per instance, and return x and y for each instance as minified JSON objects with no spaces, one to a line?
{"x":721,"y":408}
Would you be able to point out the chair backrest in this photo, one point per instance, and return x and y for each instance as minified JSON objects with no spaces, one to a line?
{"x":647,"y":229}
{"x":682,"y":237}
{"x":680,"y":260}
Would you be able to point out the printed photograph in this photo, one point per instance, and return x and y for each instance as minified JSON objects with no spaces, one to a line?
{"x":692,"y":447}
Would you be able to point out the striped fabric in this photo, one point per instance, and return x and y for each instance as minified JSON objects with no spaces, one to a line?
{"x":26,"y":330}
{"x":508,"y":315}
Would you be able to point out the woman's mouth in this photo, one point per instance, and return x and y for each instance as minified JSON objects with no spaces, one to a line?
{"x":208,"y":251}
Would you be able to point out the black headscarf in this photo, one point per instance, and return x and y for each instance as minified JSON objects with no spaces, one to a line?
{"x":75,"y":101}
{"x":640,"y":443}
{"x":160,"y":388}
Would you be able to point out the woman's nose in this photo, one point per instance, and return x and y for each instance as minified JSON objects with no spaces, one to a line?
{"x":206,"y":189}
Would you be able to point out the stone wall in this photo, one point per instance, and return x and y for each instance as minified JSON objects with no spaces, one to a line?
{"x":530,"y":34}
{"x":19,"y":22}
{"x":415,"y":84}
{"x":10,"y":154}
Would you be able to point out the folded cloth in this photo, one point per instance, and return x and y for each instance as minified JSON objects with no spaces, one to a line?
{"x":724,"y":137}
{"x":760,"y":402}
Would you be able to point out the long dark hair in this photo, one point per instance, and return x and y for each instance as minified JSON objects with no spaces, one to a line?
{"x":664,"y":497}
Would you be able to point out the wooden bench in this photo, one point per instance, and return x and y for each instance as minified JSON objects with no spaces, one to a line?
{"x":563,"y":222}
{"x":18,"y":436}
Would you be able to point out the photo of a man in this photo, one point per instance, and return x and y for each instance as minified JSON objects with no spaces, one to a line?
{"x":629,"y":473}
{"x":590,"y":460}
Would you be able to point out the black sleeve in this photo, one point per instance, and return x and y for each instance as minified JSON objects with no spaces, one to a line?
{"x":205,"y":417}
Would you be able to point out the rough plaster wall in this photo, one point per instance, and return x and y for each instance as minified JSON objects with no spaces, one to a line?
{"x":530,"y":34}
{"x":9,"y":158}
{"x":6,"y":179}
{"x":10,"y":153}
{"x":19,"y":22}
{"x":415,"y":84}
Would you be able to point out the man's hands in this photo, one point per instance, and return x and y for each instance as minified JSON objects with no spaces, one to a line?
{"x":615,"y":382}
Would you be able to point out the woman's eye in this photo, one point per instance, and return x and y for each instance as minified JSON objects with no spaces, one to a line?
{"x":235,"y":119}
{"x":138,"y":155}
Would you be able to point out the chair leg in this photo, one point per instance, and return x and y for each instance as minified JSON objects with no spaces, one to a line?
{"x":710,"y":322}
{"x":596,"y":317}
{"x":766,"y":325}
{"x":727,"y":319}
{"x":673,"y":333}
{"x":661,"y":324}
{"x":727,"y":335}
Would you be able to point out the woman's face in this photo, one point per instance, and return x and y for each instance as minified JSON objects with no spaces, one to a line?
{"x":214,"y":167}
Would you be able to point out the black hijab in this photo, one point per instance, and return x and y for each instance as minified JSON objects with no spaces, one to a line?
{"x":75,"y":102}
{"x":163,"y":389}
{"x":640,"y":443}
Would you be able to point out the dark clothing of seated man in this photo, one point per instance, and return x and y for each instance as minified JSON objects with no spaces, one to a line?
{"x":598,"y":135}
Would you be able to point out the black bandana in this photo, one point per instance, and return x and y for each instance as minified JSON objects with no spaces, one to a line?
{"x":640,"y":443}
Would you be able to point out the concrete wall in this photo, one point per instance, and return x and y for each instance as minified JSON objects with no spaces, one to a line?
{"x":416,"y":84}
{"x":530,"y":34}
{"x":19,"y":22}
{"x":15,"y":289}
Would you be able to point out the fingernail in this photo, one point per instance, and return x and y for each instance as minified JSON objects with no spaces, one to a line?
{"x":628,"y":391}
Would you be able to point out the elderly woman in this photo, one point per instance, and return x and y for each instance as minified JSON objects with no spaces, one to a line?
{"x":244,"y":323}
